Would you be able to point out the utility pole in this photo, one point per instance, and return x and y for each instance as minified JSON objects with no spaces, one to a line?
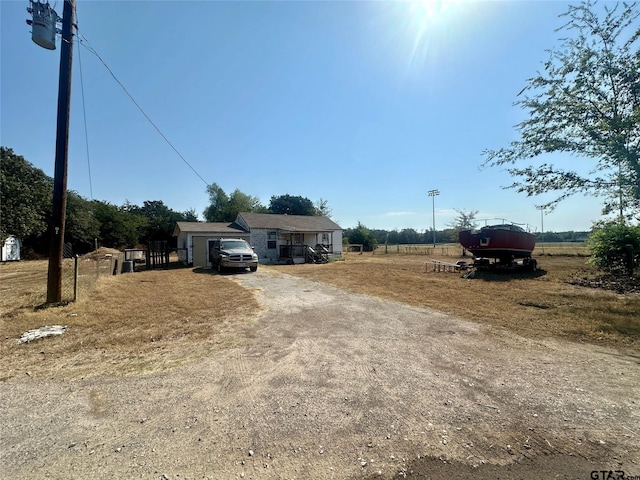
{"x":432,"y":194}
{"x":56,"y":227}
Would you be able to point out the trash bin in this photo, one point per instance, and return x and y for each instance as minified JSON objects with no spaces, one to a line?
{"x":127,"y":266}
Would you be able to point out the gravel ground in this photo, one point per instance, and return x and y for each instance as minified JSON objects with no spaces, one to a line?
{"x":333,"y":385}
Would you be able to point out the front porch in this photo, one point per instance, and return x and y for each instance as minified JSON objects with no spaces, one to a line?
{"x":295,"y":254}
{"x":304,"y":247}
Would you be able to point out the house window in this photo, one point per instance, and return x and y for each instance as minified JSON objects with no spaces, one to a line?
{"x":298,"y":238}
{"x":325,"y":239}
{"x":271,"y":240}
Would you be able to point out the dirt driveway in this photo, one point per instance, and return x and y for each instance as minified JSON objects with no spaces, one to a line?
{"x":333,"y":385}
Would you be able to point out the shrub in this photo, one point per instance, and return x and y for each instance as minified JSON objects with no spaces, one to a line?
{"x":609,"y":243}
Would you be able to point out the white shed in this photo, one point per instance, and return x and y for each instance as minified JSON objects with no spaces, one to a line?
{"x":11,"y":249}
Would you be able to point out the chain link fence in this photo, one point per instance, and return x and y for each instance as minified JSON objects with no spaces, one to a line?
{"x":79,"y":274}
{"x":456,"y":250}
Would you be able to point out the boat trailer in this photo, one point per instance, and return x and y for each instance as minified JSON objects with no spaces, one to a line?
{"x":496,"y":265}
{"x":527,"y":264}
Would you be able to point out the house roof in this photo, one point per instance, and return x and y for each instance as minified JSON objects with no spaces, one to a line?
{"x":292,"y":223}
{"x":208,"y":227}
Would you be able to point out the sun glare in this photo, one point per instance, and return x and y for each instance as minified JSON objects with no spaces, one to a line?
{"x":426,"y":18}
{"x":424,"y":10}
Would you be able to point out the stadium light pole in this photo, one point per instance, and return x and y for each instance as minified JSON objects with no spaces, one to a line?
{"x":432,"y":194}
{"x":541,"y":208}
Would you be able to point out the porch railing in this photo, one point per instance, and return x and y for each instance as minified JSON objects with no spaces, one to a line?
{"x":291,"y":251}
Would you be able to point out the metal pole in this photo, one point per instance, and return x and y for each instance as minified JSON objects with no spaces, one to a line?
{"x":56,"y":227}
{"x":541,"y":208}
{"x":75,"y":278}
{"x":432,"y":194}
{"x":433,"y":205}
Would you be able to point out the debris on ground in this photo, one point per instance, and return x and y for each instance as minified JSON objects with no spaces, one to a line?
{"x":622,"y":284}
{"x":42,"y":332}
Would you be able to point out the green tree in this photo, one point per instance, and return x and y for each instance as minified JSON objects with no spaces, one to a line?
{"x":409,"y":236}
{"x":225,"y":208}
{"x":190,"y":216}
{"x":119,"y":228}
{"x":586,"y":102}
{"x":609,"y":243}
{"x":218,"y":204}
{"x":361,"y":235}
{"x":81,"y":226}
{"x":241,"y":202}
{"x":160,"y":220}
{"x":291,"y":205}
{"x":25,"y":197}
{"x":464,"y":221}
{"x":322,"y":208}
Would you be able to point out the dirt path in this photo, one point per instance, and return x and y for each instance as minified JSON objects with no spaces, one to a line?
{"x":336,"y":385}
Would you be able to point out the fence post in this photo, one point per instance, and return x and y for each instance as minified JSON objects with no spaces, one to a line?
{"x":75,"y":278}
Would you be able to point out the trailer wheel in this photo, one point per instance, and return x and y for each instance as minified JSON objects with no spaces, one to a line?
{"x":533,"y":265}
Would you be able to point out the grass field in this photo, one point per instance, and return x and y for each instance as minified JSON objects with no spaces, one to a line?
{"x":535,"y":304}
{"x":152,"y":320}
{"x":145,"y":321}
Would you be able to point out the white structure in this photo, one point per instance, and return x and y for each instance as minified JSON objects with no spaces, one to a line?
{"x":275,"y":238}
{"x":11,"y":249}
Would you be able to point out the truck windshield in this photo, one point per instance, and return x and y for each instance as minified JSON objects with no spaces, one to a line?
{"x":234,"y":244}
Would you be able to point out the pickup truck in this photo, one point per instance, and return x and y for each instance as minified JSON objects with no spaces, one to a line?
{"x":232,"y":253}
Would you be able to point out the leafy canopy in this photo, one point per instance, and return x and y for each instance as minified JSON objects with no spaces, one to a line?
{"x":610,"y":243}
{"x":585,"y":102}
{"x":25,"y":209}
{"x":25,"y":197}
{"x":361,"y":235}
{"x":225,"y":208}
{"x":464,"y":220}
{"x":291,"y":205}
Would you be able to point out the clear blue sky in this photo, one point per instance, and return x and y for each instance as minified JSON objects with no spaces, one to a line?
{"x":367,"y":105}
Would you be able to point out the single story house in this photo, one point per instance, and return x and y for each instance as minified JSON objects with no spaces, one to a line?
{"x":275,"y":238}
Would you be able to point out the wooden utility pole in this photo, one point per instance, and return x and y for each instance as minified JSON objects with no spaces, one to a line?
{"x":56,"y":226}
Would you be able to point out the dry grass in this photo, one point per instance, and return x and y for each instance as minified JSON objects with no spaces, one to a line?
{"x":153,"y":320}
{"x":138,"y":322}
{"x":539,"y":304}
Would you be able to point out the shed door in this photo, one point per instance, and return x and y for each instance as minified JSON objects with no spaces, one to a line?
{"x":200,"y":252}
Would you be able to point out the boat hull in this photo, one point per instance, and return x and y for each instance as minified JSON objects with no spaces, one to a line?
{"x":504,"y":242}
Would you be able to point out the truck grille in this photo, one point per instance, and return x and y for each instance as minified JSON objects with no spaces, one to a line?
{"x":240,"y":258}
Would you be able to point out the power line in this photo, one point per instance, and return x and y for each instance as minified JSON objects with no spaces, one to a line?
{"x":84,"y":113}
{"x":85,"y":43}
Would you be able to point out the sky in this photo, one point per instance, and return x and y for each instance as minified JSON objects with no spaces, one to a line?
{"x":367,"y":105}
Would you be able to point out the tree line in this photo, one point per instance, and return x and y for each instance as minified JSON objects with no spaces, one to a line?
{"x":26,"y":202}
{"x":369,"y":238}
{"x":225,"y":208}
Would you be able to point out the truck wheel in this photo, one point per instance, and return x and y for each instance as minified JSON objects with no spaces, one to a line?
{"x":220,"y":267}
{"x":253,"y":269}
